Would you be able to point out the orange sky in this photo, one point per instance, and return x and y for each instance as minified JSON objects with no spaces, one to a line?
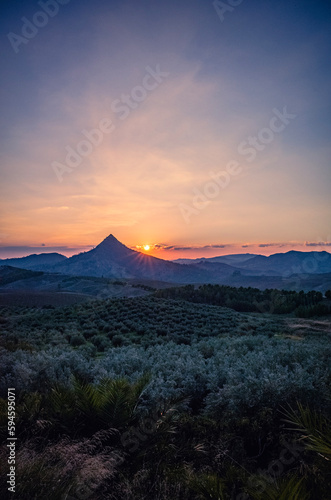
{"x":173,"y":252}
{"x":172,"y":129}
{"x":194,"y":252}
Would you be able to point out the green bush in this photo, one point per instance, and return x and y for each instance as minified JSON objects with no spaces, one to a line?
{"x":118,"y":340}
{"x":101,"y":342}
{"x":77,"y":340}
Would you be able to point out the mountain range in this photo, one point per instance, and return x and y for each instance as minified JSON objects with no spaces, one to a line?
{"x":278,"y":264}
{"x":40,"y":262}
{"x":112,"y":259}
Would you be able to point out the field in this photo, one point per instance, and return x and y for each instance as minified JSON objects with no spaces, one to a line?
{"x":157,"y":397}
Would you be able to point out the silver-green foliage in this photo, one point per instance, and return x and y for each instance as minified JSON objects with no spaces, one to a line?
{"x":230,"y":372}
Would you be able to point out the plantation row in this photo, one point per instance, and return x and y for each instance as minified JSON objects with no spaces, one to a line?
{"x":146,"y":321}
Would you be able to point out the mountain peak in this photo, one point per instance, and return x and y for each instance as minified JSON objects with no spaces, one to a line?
{"x":112,"y":246}
{"x":110,"y":239}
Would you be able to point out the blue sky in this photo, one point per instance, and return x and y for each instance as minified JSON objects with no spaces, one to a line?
{"x":224,"y":80}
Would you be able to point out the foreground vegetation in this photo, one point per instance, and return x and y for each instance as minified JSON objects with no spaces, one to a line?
{"x":155,"y":398}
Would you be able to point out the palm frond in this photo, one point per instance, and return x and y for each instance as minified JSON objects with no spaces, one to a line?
{"x":208,"y":486}
{"x":315,"y":429}
{"x":288,"y":488}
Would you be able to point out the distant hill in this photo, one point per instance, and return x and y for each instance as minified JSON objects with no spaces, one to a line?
{"x":46,"y":288}
{"x":293,"y":262}
{"x":9,"y":274}
{"x":278,"y":264}
{"x":38,"y":262}
{"x":231,"y":259}
{"x":296,"y":282}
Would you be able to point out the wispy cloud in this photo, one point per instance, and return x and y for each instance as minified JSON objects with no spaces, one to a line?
{"x":319,"y":244}
{"x":267,"y":245}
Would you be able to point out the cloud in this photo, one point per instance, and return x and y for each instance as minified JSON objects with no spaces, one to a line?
{"x":177,"y":248}
{"x":265,"y":245}
{"x":215,"y":246}
{"x":320,"y":244}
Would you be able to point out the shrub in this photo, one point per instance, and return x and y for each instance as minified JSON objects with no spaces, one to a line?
{"x":118,"y":340}
{"x":101,"y":342}
{"x":77,"y":340}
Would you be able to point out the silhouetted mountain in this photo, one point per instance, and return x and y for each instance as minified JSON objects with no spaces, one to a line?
{"x":231,"y":259}
{"x":279,"y":264}
{"x":40,"y":262}
{"x":217,"y":270}
{"x":293,"y":262}
{"x":114,"y":260}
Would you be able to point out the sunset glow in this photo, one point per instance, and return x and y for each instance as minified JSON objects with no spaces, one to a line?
{"x":174,"y":127}
{"x":165,"y":242}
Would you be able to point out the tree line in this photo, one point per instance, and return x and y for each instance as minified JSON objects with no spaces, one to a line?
{"x":303,"y":304}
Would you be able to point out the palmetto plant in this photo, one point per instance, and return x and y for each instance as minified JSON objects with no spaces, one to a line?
{"x":315,"y":429}
{"x":315,"y":433}
{"x":160,"y":442}
{"x":110,"y":404}
{"x":208,"y":486}
{"x":287,"y":488}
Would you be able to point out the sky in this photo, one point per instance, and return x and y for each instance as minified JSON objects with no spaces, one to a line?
{"x":185,"y":128}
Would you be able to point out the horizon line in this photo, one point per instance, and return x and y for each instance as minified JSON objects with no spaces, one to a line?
{"x":171,"y":252}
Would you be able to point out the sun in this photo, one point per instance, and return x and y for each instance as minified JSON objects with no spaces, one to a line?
{"x":146,"y":247}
